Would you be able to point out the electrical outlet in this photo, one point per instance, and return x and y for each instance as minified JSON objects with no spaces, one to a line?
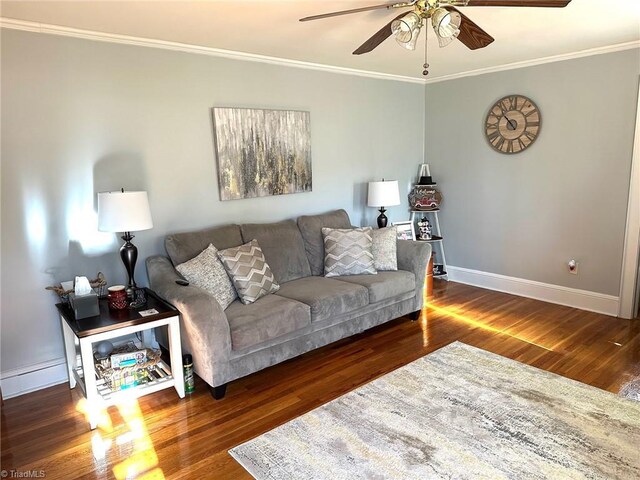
{"x":573,"y":267}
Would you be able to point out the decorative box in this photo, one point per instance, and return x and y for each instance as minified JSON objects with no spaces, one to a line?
{"x":128,"y":359}
{"x":84,"y":306}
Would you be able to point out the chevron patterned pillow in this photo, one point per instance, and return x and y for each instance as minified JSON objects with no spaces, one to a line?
{"x":348,"y":251}
{"x":249,"y":271}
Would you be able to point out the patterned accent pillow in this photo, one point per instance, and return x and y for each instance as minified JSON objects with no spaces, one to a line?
{"x":207,"y":272}
{"x":348,"y":251}
{"x":249,"y":271}
{"x":384,"y":248}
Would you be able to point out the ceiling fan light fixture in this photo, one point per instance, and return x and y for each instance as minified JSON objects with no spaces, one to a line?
{"x":446,"y":24}
{"x":407,"y":30}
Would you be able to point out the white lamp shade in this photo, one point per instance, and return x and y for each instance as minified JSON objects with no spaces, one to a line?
{"x":123,"y":212}
{"x":383,"y":194}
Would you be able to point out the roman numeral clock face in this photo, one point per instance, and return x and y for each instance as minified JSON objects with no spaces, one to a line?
{"x":512,"y":124}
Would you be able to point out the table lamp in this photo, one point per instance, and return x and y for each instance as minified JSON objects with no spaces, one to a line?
{"x":125,"y":212}
{"x":383,"y":194}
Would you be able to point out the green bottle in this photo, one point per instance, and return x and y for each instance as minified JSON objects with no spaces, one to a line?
{"x":189,"y":381}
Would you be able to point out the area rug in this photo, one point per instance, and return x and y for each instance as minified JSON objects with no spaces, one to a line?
{"x":457,"y":413}
{"x":631,"y":390}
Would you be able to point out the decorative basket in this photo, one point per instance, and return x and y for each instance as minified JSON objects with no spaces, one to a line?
{"x":119,"y":378}
{"x":99,"y":285}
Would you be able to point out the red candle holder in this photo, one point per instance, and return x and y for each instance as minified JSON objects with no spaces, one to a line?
{"x":117,"y":297}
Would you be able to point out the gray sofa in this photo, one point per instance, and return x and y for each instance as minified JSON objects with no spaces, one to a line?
{"x":307,"y":312}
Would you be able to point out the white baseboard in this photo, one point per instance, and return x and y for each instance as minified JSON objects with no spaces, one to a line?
{"x":35,"y":377}
{"x":571,"y":297}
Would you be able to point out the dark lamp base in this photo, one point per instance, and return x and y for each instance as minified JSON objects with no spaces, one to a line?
{"x":129,"y":256}
{"x":382,"y":218}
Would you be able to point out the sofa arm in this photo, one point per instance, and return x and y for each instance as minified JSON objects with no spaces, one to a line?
{"x":414,"y":257}
{"x":204,"y":327}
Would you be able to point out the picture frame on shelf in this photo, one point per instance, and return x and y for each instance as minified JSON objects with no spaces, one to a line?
{"x":405,"y":230}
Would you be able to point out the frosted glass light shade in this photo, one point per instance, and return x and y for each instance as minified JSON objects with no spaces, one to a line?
{"x":383,"y":194}
{"x":446,"y":25}
{"x":407,"y":29}
{"x":123,"y":212}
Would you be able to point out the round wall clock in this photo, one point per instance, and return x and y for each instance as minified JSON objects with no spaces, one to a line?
{"x":512,"y":124}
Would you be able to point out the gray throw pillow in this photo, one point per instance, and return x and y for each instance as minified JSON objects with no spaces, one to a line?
{"x":348,"y":251}
{"x":249,"y":271}
{"x":384,"y":248}
{"x":207,"y":272}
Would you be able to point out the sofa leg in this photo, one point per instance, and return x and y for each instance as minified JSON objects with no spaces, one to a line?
{"x":415,"y":315}
{"x":218,"y":392}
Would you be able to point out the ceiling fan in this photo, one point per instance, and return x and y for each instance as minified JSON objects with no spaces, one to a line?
{"x":447,"y":21}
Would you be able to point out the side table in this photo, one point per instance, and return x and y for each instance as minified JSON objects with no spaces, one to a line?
{"x":80,"y":335}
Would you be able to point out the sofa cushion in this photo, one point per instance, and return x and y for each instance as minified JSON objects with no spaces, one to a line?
{"x":185,"y":246}
{"x":282,"y":246}
{"x":385,"y":252}
{"x":267,"y":318}
{"x":249,"y":271}
{"x":325,"y":296}
{"x":347,"y":251}
{"x":311,"y":230}
{"x":384,"y":285}
{"x":207,"y":272}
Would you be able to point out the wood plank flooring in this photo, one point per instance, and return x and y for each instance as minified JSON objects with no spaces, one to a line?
{"x":161,"y":436}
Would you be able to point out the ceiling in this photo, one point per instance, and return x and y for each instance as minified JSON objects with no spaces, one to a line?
{"x":271,"y":28}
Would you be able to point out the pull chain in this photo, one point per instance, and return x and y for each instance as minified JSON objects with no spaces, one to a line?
{"x":425,"y":72}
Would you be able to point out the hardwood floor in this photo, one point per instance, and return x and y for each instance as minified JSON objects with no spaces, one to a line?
{"x":163,"y":436}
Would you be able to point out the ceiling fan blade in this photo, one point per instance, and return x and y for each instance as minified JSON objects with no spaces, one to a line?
{"x":517,"y":3}
{"x":357,"y":10}
{"x":471,"y":34}
{"x":377,"y":38}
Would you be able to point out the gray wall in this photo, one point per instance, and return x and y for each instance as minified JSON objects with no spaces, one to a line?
{"x":526,"y":215}
{"x":80,"y":117}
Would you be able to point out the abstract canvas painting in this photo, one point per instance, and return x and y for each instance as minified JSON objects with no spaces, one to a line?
{"x":262,"y":152}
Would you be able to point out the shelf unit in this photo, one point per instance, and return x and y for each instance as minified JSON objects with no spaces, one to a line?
{"x":437,"y":240}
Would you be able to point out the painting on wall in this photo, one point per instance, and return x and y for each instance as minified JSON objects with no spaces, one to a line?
{"x":262,"y":152}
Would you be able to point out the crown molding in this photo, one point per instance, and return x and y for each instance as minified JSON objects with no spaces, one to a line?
{"x":24,"y":25}
{"x":539,"y":61}
{"x":28,"y":26}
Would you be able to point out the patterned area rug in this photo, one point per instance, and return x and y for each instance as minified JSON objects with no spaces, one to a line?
{"x":459,"y":412}
{"x":631,"y":389}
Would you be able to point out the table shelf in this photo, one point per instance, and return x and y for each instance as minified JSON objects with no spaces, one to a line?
{"x":166,"y":379}
{"x":434,"y":238}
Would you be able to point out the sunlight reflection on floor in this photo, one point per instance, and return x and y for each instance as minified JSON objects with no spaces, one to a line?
{"x":131,"y":437}
{"x":425,"y":328}
{"x":451,"y":311}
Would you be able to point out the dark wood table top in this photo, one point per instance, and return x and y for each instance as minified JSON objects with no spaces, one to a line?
{"x":114,"y":319}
